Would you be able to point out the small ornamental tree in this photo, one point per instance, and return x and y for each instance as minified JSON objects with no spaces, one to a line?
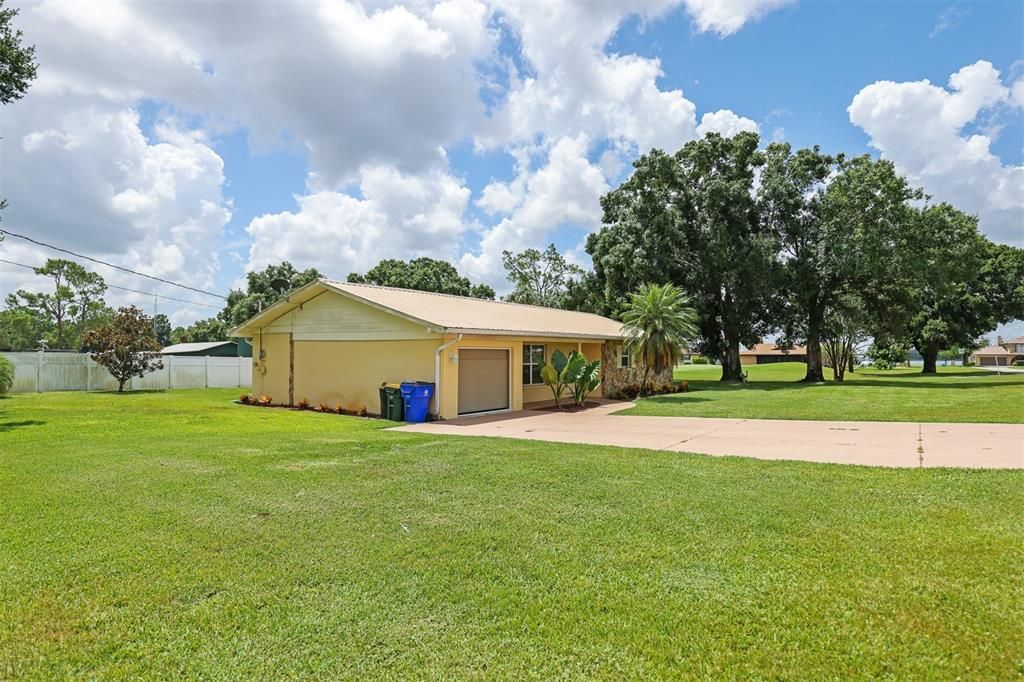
{"x":6,"y":375}
{"x":126,"y":346}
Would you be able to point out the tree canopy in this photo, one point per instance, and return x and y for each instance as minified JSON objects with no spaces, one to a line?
{"x":844,"y":229}
{"x":17,"y":64}
{"x":162,"y":329}
{"x":422,"y":274}
{"x":691,"y":220}
{"x":263,"y":288}
{"x":964,"y":285}
{"x":62,"y":315}
{"x":658,"y":322}
{"x":210,"y":329}
{"x":540,"y":277}
{"x":125,"y":346}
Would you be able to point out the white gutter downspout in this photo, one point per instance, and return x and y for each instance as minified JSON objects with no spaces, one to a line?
{"x":437,"y":370}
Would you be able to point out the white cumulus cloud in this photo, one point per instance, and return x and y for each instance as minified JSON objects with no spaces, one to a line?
{"x":933,"y":135}
{"x":395,"y":215}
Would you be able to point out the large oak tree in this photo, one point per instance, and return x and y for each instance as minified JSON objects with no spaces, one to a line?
{"x":691,"y":219}
{"x":964,"y":284}
{"x":845,"y":227}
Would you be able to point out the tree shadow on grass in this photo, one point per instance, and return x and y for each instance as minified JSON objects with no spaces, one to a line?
{"x":675,"y":399}
{"x":907,"y":382}
{"x":11,"y":425}
{"x":140,"y":391}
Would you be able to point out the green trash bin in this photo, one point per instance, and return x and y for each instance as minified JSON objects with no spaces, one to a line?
{"x":392,"y":406}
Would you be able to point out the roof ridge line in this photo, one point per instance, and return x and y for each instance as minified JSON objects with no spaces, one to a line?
{"x":457,"y":296}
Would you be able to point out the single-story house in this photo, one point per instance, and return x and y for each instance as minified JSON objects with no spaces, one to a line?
{"x":764,"y":353}
{"x":995,"y":356}
{"x":335,"y":342}
{"x":233,"y":348}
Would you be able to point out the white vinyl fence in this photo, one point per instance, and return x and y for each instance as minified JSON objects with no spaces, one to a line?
{"x":39,"y":372}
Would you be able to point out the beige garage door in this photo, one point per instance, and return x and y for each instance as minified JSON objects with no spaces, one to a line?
{"x":483,"y":380}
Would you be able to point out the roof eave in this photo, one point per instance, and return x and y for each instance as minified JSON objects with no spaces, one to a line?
{"x":532,"y":333}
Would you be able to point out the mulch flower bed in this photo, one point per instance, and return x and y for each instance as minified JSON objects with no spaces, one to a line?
{"x":570,"y":408}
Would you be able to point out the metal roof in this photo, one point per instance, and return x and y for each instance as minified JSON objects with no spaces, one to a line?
{"x":451,"y":314}
{"x":193,"y":347}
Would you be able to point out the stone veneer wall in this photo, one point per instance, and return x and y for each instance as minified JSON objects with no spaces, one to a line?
{"x":613,"y":377}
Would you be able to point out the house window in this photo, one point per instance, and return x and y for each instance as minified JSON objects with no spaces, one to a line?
{"x":533,"y":360}
{"x":624,"y":358}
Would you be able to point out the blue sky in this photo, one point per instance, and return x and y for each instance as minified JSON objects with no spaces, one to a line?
{"x":333,"y":134}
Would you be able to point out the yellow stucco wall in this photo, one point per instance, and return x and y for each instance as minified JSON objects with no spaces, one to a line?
{"x":344,"y":350}
{"x":350,"y":372}
{"x":270,"y":367}
{"x":520,"y":394}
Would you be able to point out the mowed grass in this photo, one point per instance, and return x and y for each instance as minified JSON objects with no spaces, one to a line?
{"x":170,"y":535}
{"x":956,"y":394}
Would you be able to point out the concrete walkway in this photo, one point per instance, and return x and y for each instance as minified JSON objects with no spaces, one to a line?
{"x":892,"y":444}
{"x":1003,"y":370}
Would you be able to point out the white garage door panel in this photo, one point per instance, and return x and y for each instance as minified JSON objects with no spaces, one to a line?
{"x":483,"y":380}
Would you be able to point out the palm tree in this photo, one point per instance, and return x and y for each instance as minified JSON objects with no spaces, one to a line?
{"x":658,"y":321}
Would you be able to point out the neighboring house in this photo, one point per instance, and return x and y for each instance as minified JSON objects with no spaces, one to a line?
{"x":765,"y":353}
{"x":1015,"y":345}
{"x":335,"y":342}
{"x":235,"y":348}
{"x":1002,"y":354}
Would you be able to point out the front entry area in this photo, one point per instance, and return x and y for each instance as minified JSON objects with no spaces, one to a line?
{"x":484,"y":380}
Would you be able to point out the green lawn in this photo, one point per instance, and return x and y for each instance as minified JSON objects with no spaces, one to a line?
{"x":956,"y":394}
{"x":179,"y":535}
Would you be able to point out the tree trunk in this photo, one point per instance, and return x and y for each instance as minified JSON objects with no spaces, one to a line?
{"x":930,"y":354}
{"x":643,"y":383}
{"x":120,"y":386}
{"x":815,"y":366}
{"x":839,"y":366}
{"x":851,"y":367}
{"x":732,"y":370}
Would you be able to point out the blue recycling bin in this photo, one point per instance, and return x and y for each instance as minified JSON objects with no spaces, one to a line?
{"x":416,"y":395}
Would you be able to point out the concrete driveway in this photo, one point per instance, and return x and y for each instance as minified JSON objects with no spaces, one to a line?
{"x":892,"y":444}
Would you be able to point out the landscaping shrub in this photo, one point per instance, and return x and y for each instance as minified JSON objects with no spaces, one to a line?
{"x":698,"y":360}
{"x":573,"y":373}
{"x":887,"y":356}
{"x":304,"y":404}
{"x":246,"y":399}
{"x":6,"y":375}
{"x":264,"y":400}
{"x":632,"y":391}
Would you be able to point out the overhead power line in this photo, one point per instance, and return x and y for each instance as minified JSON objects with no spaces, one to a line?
{"x":134,"y":291}
{"x":110,"y":265}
